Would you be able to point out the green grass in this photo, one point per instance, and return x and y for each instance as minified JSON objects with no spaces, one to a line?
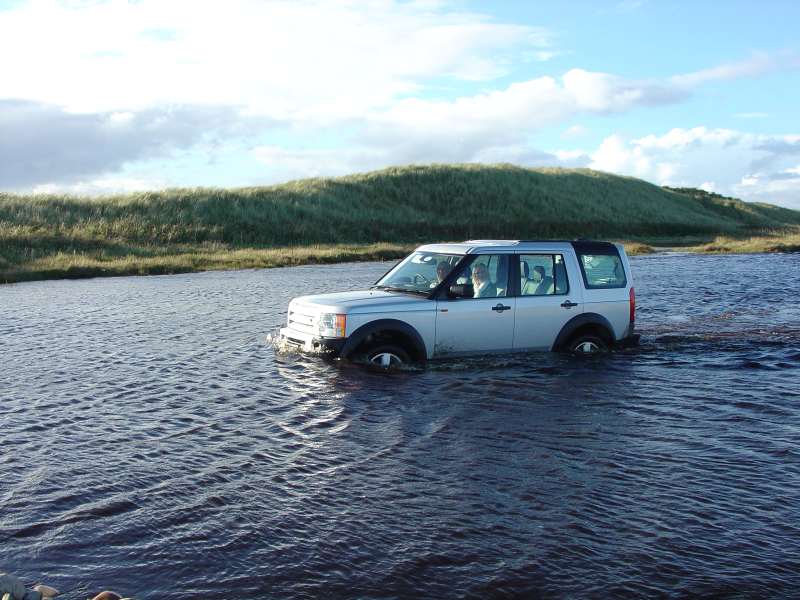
{"x":727,"y":245}
{"x":60,"y":265}
{"x":344,"y":218}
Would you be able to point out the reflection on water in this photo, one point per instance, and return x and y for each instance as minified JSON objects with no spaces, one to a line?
{"x":154,"y":442}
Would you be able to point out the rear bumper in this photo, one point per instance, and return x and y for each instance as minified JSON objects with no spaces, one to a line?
{"x":305,"y":342}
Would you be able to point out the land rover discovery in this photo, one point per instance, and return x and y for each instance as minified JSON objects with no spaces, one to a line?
{"x":476,"y":297}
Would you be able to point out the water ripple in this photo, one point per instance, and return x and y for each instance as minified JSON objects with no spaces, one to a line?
{"x":153,"y":442}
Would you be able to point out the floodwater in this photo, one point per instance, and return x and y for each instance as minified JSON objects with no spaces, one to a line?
{"x":153,"y":443}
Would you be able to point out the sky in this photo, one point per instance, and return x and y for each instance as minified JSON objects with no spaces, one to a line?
{"x":103,"y":97}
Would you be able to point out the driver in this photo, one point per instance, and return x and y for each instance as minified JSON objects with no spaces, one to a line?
{"x":481,"y":284}
{"x":442,"y":270}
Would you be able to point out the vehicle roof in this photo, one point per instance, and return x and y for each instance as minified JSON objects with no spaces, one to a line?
{"x":509,"y":246}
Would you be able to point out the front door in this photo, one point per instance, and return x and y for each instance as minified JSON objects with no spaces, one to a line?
{"x":484,"y":321}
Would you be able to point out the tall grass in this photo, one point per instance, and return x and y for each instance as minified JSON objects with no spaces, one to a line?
{"x":403,"y":205}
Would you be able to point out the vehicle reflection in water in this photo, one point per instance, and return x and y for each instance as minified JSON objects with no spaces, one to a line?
{"x":183,"y":453}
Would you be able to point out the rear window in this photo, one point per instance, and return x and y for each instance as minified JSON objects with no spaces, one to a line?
{"x":602,"y":271}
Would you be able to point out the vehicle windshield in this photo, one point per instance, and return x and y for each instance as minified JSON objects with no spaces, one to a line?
{"x":420,"y":272}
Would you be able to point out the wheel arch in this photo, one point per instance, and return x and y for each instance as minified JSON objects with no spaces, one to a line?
{"x":391,"y":331}
{"x":585,"y":323}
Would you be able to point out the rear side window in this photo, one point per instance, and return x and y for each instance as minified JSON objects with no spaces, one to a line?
{"x":602,"y":271}
{"x":542,"y":275}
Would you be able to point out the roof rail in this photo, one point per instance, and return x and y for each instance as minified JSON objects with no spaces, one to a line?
{"x":495,"y":242}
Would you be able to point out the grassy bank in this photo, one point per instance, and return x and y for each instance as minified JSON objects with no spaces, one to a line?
{"x":369,"y":216}
{"x":188,"y":259}
{"x":726,"y":245}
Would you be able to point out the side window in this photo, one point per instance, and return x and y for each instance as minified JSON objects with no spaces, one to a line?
{"x":542,"y":275}
{"x":602,"y":271}
{"x":486,"y":276}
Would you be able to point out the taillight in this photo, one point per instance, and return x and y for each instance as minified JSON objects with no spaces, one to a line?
{"x":633,"y":305}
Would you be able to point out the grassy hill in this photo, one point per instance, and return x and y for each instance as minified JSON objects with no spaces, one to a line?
{"x":334,"y":218}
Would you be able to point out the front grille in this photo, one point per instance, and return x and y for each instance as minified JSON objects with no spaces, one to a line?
{"x":302,"y":319}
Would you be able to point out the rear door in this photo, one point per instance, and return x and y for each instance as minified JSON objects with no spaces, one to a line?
{"x":478,"y":324}
{"x":607,"y":283}
{"x":549,"y":296}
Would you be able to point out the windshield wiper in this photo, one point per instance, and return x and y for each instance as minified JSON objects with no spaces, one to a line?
{"x":389,"y":288}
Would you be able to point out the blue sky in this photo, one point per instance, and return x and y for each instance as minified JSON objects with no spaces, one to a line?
{"x":103,"y":97}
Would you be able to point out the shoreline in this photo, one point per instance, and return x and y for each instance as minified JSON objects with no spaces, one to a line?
{"x":380,"y":215}
{"x":194,"y":259}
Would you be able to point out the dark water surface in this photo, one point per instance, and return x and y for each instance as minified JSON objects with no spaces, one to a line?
{"x":153,"y":443}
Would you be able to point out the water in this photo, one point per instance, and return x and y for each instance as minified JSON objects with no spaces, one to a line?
{"x":153,"y":443}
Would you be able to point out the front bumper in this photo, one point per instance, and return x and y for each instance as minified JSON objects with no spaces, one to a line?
{"x":306,"y":342}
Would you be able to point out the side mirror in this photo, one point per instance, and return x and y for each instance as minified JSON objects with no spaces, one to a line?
{"x":460,"y":291}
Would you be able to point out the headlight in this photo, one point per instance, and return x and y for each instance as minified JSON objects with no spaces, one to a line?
{"x":332,"y":325}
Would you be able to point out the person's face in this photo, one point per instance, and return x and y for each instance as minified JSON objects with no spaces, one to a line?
{"x":441,"y":272}
{"x":479,"y":273}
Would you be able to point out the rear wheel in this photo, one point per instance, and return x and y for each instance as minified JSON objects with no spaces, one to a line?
{"x":584,"y":345}
{"x":387,"y":356}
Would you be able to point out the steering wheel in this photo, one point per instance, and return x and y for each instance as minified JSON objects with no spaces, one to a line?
{"x":419,"y":277}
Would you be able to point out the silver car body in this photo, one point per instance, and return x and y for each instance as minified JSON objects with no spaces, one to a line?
{"x":458,"y":326}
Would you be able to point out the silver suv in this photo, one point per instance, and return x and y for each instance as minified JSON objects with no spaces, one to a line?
{"x":476,"y":297}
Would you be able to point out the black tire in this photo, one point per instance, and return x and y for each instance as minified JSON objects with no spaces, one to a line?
{"x":386,"y":356}
{"x":587,"y":345}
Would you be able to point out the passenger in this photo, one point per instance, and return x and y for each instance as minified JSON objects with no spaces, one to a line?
{"x":530,"y":286}
{"x":483,"y":287}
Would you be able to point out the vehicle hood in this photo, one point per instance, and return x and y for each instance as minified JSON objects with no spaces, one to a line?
{"x":363,"y":301}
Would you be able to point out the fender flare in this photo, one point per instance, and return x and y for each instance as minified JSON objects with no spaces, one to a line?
{"x":359,"y":335}
{"x":578,"y":321}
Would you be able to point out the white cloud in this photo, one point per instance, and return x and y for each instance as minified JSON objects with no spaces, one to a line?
{"x":572,"y":158}
{"x":615,"y":155}
{"x":101,"y":185}
{"x":574,"y":132}
{"x":708,"y":186}
{"x":683,"y":138}
{"x":286,"y":58}
{"x":119,"y":82}
{"x":283,"y":164}
{"x":760,"y":63}
{"x":544,"y":55}
{"x":40,"y":143}
{"x":740,"y":164}
{"x":603,"y":92}
{"x":289,"y":59}
{"x":464,"y":128}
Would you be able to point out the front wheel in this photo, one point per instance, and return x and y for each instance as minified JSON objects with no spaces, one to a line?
{"x":387,"y":356}
{"x":584,"y":345}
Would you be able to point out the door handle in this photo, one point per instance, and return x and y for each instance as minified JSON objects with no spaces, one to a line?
{"x":500,"y":308}
{"x":568,"y":304}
